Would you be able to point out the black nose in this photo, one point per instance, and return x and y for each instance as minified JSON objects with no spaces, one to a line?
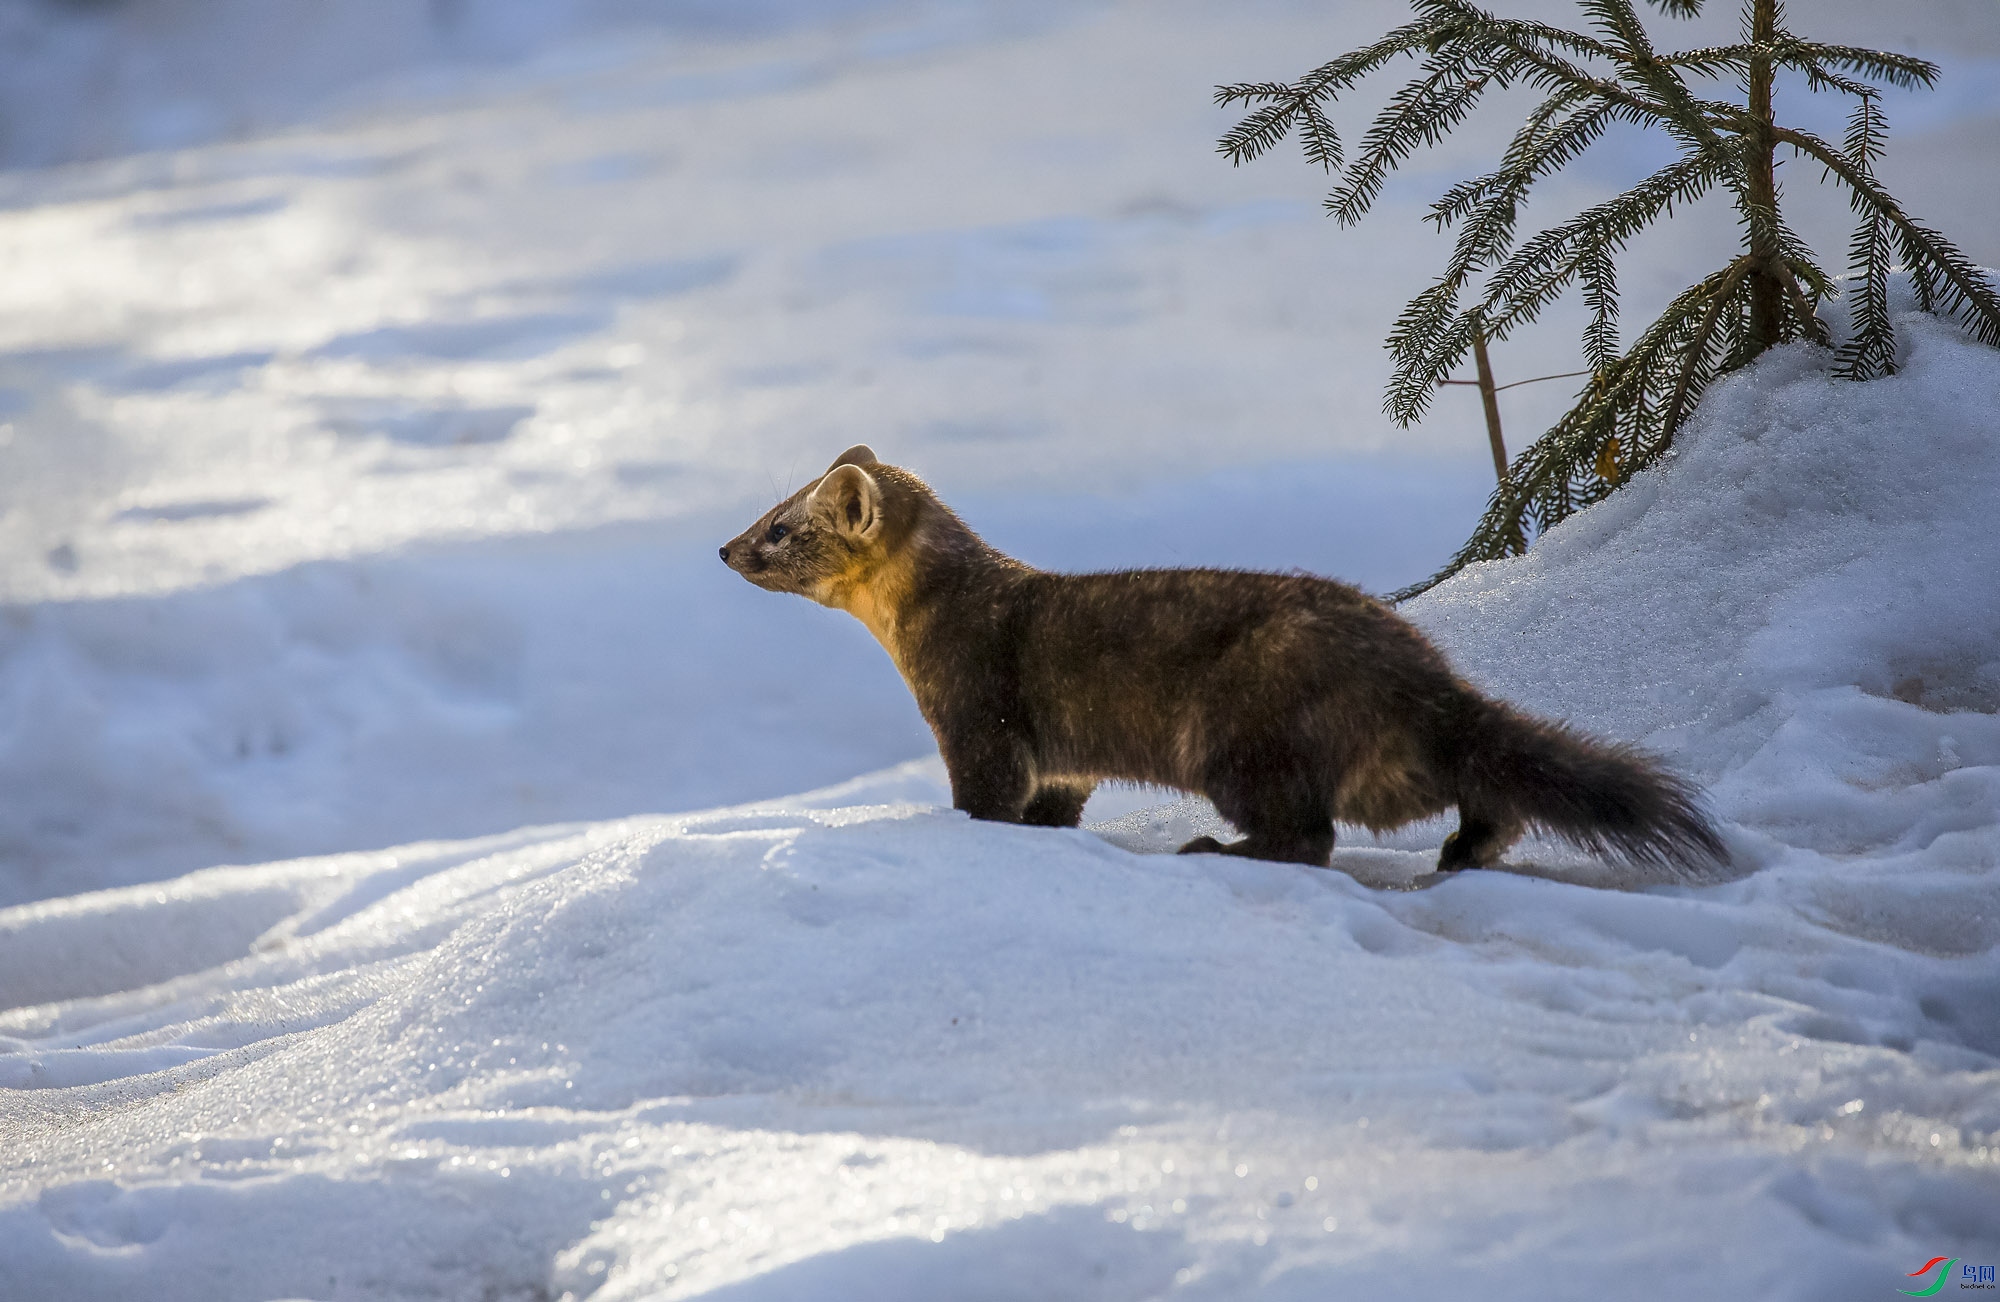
{"x":725,"y":556}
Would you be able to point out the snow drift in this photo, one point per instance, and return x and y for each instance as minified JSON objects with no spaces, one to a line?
{"x":852,"y":1043}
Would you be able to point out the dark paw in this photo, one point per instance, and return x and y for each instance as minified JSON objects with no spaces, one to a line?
{"x":1201,"y":845}
{"x":1454,"y":857}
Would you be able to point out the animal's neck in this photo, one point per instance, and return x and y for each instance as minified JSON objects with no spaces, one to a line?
{"x":910,"y":591}
{"x":879,"y":603}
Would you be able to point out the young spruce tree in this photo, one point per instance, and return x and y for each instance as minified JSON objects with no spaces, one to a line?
{"x":1637,"y":397}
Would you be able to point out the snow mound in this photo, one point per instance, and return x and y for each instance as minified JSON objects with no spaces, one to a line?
{"x":1799,"y":609}
{"x":783,"y":1051}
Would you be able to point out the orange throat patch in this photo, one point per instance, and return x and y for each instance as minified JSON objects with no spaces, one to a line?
{"x":875,"y":595}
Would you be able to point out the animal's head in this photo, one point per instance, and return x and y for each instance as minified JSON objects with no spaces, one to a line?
{"x":828,"y":537}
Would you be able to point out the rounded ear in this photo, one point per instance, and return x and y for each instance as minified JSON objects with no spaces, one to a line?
{"x":858,"y":455}
{"x":851,"y":499}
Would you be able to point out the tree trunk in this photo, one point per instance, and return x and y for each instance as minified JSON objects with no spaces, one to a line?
{"x":1767,"y":291}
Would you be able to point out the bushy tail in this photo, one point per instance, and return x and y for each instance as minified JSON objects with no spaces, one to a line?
{"x":1605,"y":797}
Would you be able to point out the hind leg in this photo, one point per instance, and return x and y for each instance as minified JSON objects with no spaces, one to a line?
{"x":1312,"y":847}
{"x":1478,"y":843}
{"x":1057,"y":804}
{"x":1280,"y":807}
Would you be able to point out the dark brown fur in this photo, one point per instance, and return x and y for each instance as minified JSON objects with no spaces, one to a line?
{"x":1291,"y":702}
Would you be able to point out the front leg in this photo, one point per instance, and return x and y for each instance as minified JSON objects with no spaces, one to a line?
{"x":1058,"y":804}
{"x":990,"y":776}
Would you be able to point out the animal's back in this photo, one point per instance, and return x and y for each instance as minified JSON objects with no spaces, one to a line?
{"x":1149,"y":674}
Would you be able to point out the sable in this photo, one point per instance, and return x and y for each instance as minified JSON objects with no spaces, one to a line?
{"x":1290,"y":702}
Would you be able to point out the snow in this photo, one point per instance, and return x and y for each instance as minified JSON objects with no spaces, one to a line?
{"x":784,"y":1049}
{"x":361,"y":483}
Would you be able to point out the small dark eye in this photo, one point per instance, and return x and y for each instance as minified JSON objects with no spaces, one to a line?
{"x":777,"y":533}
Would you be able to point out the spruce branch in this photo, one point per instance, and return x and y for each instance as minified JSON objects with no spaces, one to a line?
{"x":1712,"y":61}
{"x":1287,"y":103}
{"x":1265,"y":127}
{"x":1600,"y":295}
{"x":1419,"y":115}
{"x":1429,"y":340}
{"x":1946,"y":279}
{"x":1870,"y":349}
{"x":1538,"y":44}
{"x":1865,"y":132}
{"x":1805,"y":312}
{"x":1321,"y":141}
{"x":1822,"y":78}
{"x":1625,"y":33}
{"x":1642,"y":67}
{"x":1544,"y":266}
{"x":1555,"y":133}
{"x":1719,"y":293}
{"x":1905,"y":72}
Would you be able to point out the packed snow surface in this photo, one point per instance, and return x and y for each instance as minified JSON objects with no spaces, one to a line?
{"x":362,"y":487}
